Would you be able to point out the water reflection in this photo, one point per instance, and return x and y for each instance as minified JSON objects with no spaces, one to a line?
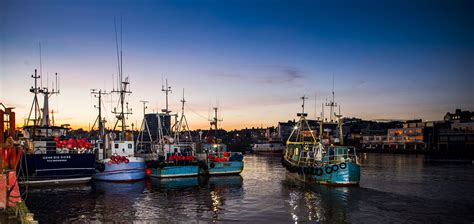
{"x":61,"y":203}
{"x":394,"y":188}
{"x":316,"y":203}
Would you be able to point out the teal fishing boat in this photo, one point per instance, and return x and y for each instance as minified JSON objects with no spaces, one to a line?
{"x":174,"y":156}
{"x":218,"y":159}
{"x":316,"y":159}
{"x":178,"y":160}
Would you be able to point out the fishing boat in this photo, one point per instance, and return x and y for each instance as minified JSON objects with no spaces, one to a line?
{"x":51,"y":154}
{"x":119,"y":162}
{"x":177,"y":160}
{"x":121,"y":165}
{"x":176,"y":156}
{"x":218,"y":159}
{"x":318,"y":160}
{"x":270,"y":147}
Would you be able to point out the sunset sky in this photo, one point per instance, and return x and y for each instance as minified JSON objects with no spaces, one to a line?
{"x":390,"y":59}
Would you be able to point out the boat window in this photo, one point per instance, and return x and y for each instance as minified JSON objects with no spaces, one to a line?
{"x":129,"y":146}
{"x":116,"y":146}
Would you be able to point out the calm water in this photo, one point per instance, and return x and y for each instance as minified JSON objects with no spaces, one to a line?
{"x":394,"y":188}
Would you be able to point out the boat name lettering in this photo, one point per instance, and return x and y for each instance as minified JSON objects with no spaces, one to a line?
{"x":56,"y":158}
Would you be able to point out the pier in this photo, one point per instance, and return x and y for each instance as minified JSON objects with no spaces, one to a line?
{"x":12,"y":208}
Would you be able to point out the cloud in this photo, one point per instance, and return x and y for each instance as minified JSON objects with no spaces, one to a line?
{"x":284,"y":75}
{"x":360,"y":83}
{"x":267,"y":74}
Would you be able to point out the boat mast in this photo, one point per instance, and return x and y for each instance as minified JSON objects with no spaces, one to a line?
{"x":35,"y":105}
{"x":215,"y":120}
{"x":122,"y":89}
{"x":298,"y":130}
{"x":45,"y":121}
{"x":332,"y":104}
{"x":339,"y":125}
{"x":321,"y":129}
{"x":124,"y":110}
{"x":183,"y":123}
{"x":99,"y":120}
{"x":167,"y":89}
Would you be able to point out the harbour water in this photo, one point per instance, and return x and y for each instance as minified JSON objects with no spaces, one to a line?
{"x":393,"y":188}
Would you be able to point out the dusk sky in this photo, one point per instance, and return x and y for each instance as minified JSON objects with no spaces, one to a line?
{"x":390,"y":59}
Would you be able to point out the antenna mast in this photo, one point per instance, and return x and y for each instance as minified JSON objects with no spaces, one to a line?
{"x":332,"y":104}
{"x":167,"y":90}
{"x":302,"y":128}
{"x":124,"y":110}
{"x":35,"y":105}
{"x":99,"y":120}
{"x":302,"y":106}
{"x":183,"y":123}
{"x":98,"y":94}
{"x":214,"y":121}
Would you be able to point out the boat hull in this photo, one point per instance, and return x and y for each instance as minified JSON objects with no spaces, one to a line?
{"x":175,"y":171}
{"x":331,"y":175}
{"x":342,"y":174}
{"x":134,"y":170}
{"x":223,"y":168}
{"x":44,"y":169}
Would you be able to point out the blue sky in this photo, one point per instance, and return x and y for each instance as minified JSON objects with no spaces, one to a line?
{"x":390,"y":59}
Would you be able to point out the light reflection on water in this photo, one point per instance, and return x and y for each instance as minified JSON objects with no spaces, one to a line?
{"x":394,"y":188}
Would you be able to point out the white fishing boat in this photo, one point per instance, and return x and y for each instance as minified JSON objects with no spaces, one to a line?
{"x":270,"y":147}
{"x":119,"y":162}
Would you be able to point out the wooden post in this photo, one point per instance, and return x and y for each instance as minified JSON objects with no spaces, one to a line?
{"x":11,"y":119}
{"x":2,"y":123}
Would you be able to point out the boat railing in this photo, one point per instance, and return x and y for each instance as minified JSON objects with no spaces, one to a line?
{"x":339,"y":154}
{"x":329,"y":155}
{"x":225,"y":156}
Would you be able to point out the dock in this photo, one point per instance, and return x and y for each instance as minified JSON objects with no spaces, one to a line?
{"x":12,"y":208}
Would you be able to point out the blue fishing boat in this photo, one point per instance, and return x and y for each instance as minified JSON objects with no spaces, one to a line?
{"x":218,"y":159}
{"x":173,"y":157}
{"x":314,"y":160}
{"x":52,"y":155}
{"x":176,"y":160}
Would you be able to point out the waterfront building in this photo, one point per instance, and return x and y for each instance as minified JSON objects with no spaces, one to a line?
{"x":410,"y":136}
{"x":373,"y":141}
{"x":456,"y":136}
{"x":285,"y":128}
{"x":459,"y":116}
